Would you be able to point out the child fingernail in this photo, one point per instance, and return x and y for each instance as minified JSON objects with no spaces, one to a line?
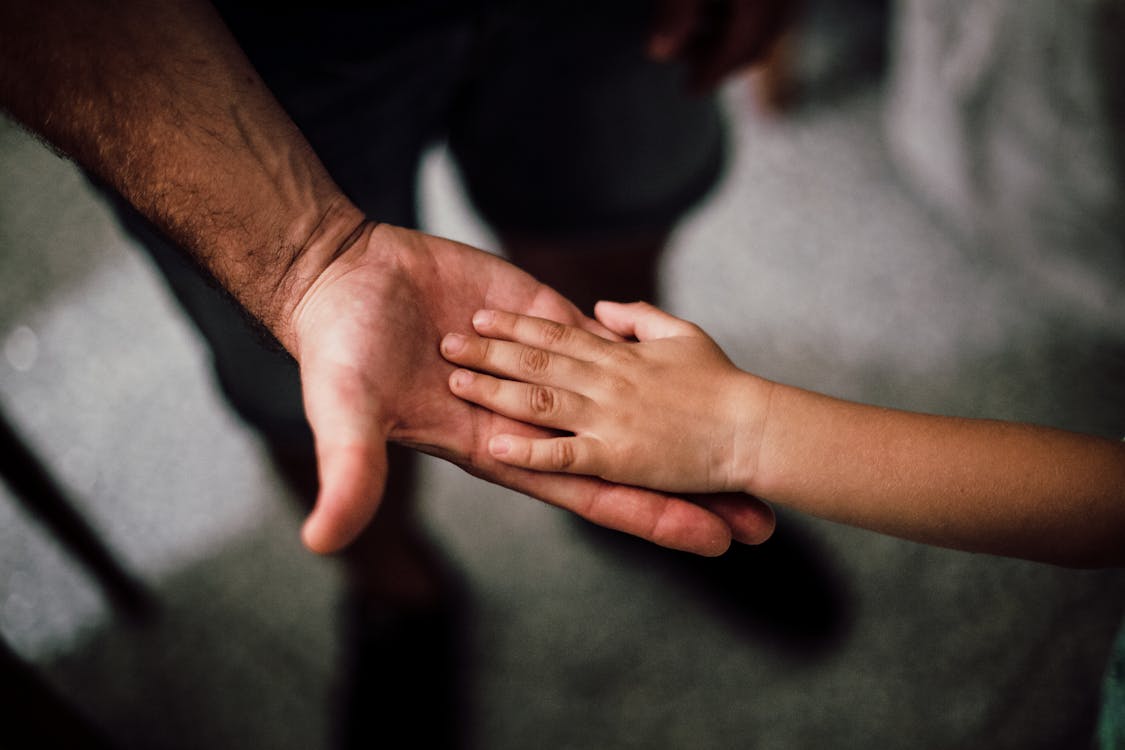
{"x":499,"y":446}
{"x":483,"y":318}
{"x":453,"y":343}
{"x":461,"y":378}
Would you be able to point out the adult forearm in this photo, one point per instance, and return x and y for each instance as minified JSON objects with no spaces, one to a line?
{"x":158,"y":101}
{"x":978,"y":485}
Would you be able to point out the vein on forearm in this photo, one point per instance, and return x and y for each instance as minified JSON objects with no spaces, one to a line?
{"x":158,"y":101}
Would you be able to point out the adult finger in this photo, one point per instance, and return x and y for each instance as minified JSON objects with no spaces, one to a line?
{"x":662,"y":519}
{"x":751,"y":521}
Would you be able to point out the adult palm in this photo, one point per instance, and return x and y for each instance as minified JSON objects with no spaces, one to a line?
{"x":367,"y":335}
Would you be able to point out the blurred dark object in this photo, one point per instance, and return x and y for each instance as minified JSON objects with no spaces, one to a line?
{"x":36,"y":715}
{"x":405,"y":667}
{"x":406,"y":674}
{"x":826,"y":51}
{"x":785,"y":592}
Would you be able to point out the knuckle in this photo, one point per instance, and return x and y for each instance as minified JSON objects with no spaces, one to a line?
{"x":554,"y":333}
{"x":542,"y":400}
{"x":485,"y":350}
{"x":562,"y":454}
{"x":616,"y":385}
{"x":623,"y":357}
{"x":489,"y":387}
{"x":534,"y":361}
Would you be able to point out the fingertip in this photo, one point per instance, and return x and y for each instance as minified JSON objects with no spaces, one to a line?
{"x":706,"y":538}
{"x":318,"y":538}
{"x":335,"y":522}
{"x":500,"y":446}
{"x":758,"y":526}
{"x":748,"y":519}
{"x":453,"y":344}
{"x":688,"y":527}
{"x":460,"y":379}
{"x":603,"y":308}
{"x":483,"y":319}
{"x":717,"y":546}
{"x":351,"y":488}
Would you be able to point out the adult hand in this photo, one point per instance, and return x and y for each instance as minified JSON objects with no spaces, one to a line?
{"x":366,"y":335}
{"x":238,"y":188}
{"x":716,"y":38}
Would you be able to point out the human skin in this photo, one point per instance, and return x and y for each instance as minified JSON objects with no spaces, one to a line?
{"x":158,"y":101}
{"x":670,"y":411}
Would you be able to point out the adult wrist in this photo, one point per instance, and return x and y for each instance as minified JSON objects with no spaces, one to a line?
{"x":317,"y":241}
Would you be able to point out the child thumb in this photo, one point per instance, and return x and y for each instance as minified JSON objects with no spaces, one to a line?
{"x":641,"y":321}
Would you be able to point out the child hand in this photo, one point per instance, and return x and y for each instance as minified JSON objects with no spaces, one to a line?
{"x":668,"y":411}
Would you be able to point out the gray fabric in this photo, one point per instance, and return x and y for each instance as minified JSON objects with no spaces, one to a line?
{"x":1006,"y":117}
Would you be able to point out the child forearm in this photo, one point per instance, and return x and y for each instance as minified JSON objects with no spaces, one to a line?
{"x":670,"y":411}
{"x":971,"y":484}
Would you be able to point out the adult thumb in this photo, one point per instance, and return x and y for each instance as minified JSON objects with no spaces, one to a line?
{"x":352,"y":477}
{"x":351,"y":453}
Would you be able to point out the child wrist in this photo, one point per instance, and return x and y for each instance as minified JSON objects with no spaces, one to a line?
{"x":751,"y":413}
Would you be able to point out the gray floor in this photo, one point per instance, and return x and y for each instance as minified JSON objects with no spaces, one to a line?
{"x":812,"y":264}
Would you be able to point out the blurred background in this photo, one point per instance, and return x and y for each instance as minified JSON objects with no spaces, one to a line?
{"x":924,"y":210}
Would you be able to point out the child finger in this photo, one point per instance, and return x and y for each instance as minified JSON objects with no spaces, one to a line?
{"x":569,"y":455}
{"x":512,"y":360}
{"x":536,"y":404}
{"x":540,"y":333}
